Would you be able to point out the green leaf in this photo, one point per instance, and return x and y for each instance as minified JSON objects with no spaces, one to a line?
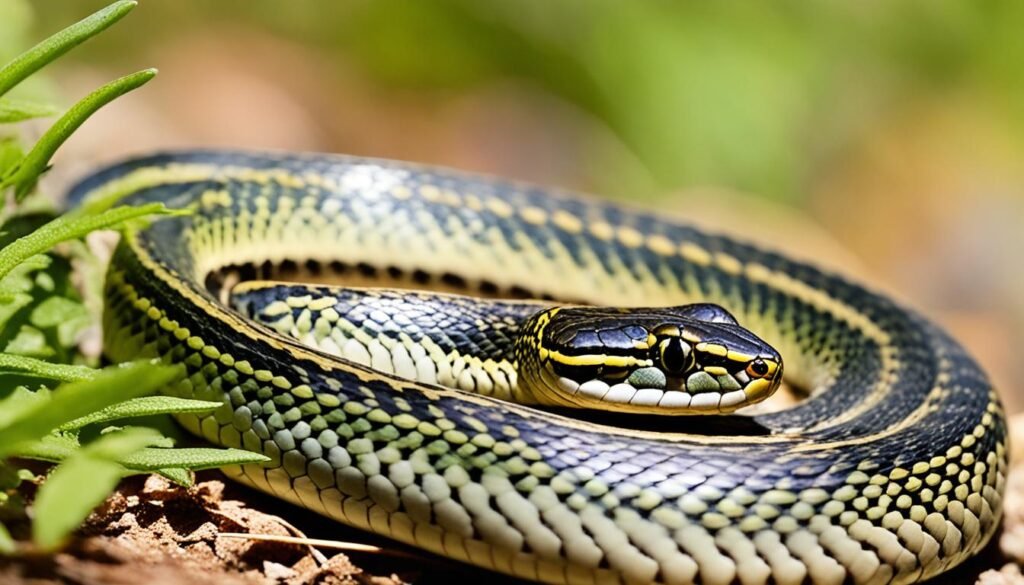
{"x":191,"y":458}
{"x":56,"y":310}
{"x":27,"y":219}
{"x":81,"y":483}
{"x":18,"y":110}
{"x":8,"y":478}
{"x":24,"y":175}
{"x":145,"y":406}
{"x":19,"y":401}
{"x":45,"y":52}
{"x":53,"y":448}
{"x":69,"y":332}
{"x":11,"y":478}
{"x":31,"y":264}
{"x":61,"y":446}
{"x":118,"y":443}
{"x":30,"y":341}
{"x":10,"y":153}
{"x":45,"y":370}
{"x":7,"y":545}
{"x":12,"y":303}
{"x":68,"y":227}
{"x":21,"y":279}
{"x":182,"y":477}
{"x":77,"y":399}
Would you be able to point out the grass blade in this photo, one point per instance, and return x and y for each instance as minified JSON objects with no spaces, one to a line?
{"x":10,"y":153}
{"x":145,"y":406}
{"x":114,"y":445}
{"x":81,"y":483}
{"x":45,"y":52}
{"x":45,"y":370}
{"x":7,"y":545}
{"x":192,"y":458}
{"x":69,"y":494}
{"x":25,"y":174}
{"x":182,"y":477}
{"x":68,"y":228}
{"x":51,"y":448}
{"x":19,"y":401}
{"x":77,"y":399}
{"x":16,"y":111}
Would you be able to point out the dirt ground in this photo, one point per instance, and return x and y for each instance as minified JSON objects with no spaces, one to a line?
{"x":155,"y":533}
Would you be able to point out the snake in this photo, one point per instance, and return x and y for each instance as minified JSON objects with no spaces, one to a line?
{"x":542,"y":383}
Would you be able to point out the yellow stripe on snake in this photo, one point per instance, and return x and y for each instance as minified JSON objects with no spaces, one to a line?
{"x":891,"y":471}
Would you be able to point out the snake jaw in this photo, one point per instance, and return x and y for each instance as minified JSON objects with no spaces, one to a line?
{"x":648,"y":390}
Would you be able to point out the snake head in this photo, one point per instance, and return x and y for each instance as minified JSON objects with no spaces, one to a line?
{"x":692,"y":359}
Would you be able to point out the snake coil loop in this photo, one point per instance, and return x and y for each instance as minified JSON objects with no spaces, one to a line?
{"x":892,"y":471}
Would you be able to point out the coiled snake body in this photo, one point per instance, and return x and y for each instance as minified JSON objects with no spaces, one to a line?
{"x":891,"y":471}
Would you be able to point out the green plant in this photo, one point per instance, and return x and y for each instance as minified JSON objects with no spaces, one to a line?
{"x":97,"y":425}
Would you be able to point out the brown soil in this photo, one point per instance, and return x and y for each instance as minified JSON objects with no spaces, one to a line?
{"x":156,"y":533}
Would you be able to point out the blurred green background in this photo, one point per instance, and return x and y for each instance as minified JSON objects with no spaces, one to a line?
{"x":882,"y":139}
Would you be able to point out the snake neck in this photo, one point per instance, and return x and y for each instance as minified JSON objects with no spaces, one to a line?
{"x":469,"y":344}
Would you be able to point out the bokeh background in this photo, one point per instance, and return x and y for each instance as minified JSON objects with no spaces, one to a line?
{"x":880,"y":139}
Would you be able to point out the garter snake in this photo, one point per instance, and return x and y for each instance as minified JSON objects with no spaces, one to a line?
{"x":891,"y":471}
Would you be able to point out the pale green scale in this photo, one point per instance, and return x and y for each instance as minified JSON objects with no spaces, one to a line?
{"x":701,"y":382}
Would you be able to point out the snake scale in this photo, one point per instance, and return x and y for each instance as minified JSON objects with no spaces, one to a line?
{"x":892,"y":469}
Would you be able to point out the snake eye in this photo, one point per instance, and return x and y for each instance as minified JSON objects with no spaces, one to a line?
{"x":757,"y":368}
{"x":676,"y":356}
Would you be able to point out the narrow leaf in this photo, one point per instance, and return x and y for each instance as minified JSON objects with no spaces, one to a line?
{"x":53,"y":448}
{"x":81,"y":483}
{"x":192,"y":458}
{"x":77,"y":399}
{"x":182,"y":477}
{"x":25,"y":174}
{"x":18,"y":110}
{"x":68,"y":228}
{"x":45,"y":52}
{"x":112,"y":446}
{"x":32,"y":342}
{"x":7,"y":546}
{"x":45,"y":370}
{"x":69,"y":494}
{"x":31,"y":264}
{"x":174,"y":464}
{"x":145,"y":406}
{"x":55,"y":310}
{"x":10,"y":154}
{"x":19,"y":401}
